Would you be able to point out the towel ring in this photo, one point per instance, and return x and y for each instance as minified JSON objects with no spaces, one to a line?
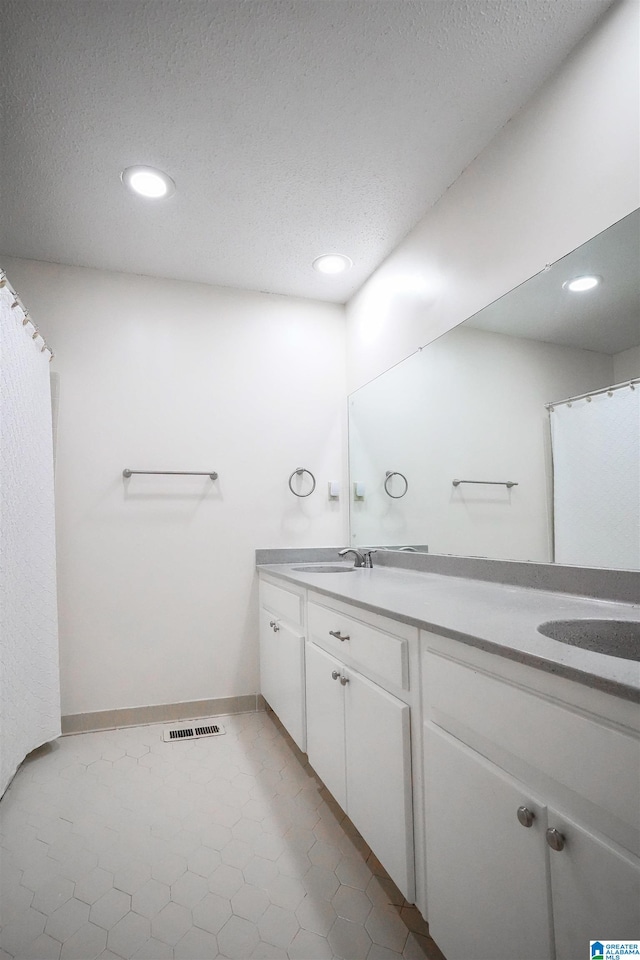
{"x":298,"y":472}
{"x":395,"y":473}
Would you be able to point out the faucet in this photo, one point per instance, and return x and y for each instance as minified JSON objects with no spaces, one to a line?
{"x":362,"y":558}
{"x":359,"y":561}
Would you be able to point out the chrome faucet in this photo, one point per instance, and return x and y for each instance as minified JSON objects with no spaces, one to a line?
{"x":359,"y":561}
{"x":362,"y":558}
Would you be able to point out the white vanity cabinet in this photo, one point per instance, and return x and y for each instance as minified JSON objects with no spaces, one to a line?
{"x":502,"y":799}
{"x":326,"y":745}
{"x":487,"y":876}
{"x":531,"y":809}
{"x":282,"y":656}
{"x":358,"y":732}
{"x":595,"y":885}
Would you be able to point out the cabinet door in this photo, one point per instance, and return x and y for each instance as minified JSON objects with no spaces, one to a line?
{"x":282,"y":674}
{"x":379,"y":786}
{"x":595,"y":891}
{"x":268,"y":660}
{"x":487,"y":886}
{"x":325,"y":721}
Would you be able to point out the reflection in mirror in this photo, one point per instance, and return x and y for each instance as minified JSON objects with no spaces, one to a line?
{"x":521,"y":404}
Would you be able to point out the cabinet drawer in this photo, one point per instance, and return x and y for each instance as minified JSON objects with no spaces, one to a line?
{"x":283,"y":603}
{"x":594,"y":760}
{"x":374,"y":651}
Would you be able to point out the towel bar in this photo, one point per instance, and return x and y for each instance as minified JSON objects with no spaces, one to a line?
{"x":173,"y":473}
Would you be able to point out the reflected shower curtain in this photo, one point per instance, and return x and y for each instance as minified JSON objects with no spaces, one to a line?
{"x":596,"y":478}
{"x":29,"y":671}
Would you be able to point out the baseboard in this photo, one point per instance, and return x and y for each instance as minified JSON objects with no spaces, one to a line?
{"x":160,"y":713}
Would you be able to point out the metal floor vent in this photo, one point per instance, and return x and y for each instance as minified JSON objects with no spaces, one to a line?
{"x":193,"y":731}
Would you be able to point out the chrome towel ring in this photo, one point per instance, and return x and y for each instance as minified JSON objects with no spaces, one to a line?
{"x":298,"y":472}
{"x":395,"y":473}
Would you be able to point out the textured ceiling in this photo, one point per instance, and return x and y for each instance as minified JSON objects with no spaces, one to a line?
{"x":291,"y":127}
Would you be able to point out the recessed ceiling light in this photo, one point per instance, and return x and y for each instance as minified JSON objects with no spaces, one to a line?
{"x":148,"y":182}
{"x":580,"y":284}
{"x":332,"y":263}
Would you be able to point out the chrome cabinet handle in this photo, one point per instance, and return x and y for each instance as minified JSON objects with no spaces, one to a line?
{"x":555,"y":839}
{"x":338,"y":636}
{"x":336,"y":675}
{"x":525,"y":816}
{"x":274,"y":625}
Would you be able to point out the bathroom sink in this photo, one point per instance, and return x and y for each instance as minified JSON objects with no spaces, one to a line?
{"x":323,"y":568}
{"x":616,"y":638}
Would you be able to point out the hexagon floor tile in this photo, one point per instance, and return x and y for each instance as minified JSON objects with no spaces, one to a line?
{"x":117,"y":845}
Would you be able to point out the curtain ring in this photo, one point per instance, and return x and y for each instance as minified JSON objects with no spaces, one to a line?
{"x":298,"y":472}
{"x":395,"y":473}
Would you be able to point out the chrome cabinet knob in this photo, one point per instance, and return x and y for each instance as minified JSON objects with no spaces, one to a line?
{"x":338,"y":635}
{"x":344,"y":681}
{"x":335,"y":675}
{"x":525,"y":816}
{"x":555,"y":839}
{"x":274,"y":625}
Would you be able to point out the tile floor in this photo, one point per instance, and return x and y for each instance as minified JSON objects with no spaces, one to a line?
{"x":116,"y":845}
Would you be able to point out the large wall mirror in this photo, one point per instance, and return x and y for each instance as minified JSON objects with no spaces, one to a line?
{"x":516,"y":435}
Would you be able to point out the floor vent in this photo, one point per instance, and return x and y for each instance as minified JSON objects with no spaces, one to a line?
{"x":203,"y":728}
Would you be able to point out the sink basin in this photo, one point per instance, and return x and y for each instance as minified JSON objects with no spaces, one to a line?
{"x":323,"y":568}
{"x":616,"y":638}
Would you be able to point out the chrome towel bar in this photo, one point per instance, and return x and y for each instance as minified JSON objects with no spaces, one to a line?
{"x":173,"y":473}
{"x":495,"y":483}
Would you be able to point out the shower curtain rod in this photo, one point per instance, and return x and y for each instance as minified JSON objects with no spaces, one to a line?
{"x":595,"y":393}
{"x":17,"y":302}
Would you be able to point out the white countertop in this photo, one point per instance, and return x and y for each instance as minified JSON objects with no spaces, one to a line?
{"x":499,"y":618}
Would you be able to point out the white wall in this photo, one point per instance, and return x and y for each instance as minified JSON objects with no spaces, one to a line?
{"x":156,"y":577}
{"x":561,"y":171}
{"x":626,"y":365}
{"x":470,"y":406}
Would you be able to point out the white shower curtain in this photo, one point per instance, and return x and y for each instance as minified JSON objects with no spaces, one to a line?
{"x":29,"y":671}
{"x":596,"y":476}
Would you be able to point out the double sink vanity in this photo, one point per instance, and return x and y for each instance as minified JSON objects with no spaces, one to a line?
{"x":477,"y":719}
{"x":483,"y":737}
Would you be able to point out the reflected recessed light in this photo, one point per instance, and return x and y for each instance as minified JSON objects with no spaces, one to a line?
{"x":148,"y":182}
{"x":332,"y":263}
{"x":580,"y":284}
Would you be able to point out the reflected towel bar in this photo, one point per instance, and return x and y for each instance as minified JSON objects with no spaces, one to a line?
{"x":173,"y":473}
{"x":498,"y":483}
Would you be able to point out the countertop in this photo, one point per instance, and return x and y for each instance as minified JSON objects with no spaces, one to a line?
{"x":498,"y":618}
